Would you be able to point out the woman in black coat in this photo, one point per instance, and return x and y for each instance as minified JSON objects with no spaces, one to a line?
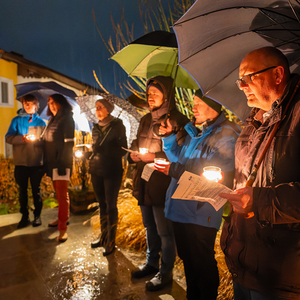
{"x":105,"y":167}
{"x":59,"y":142}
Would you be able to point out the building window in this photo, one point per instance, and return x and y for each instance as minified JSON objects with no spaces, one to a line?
{"x":6,"y":92}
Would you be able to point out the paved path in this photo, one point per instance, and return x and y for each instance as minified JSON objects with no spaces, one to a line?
{"x":34,"y":266}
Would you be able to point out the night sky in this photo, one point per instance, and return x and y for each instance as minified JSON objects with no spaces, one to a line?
{"x":62,"y":35}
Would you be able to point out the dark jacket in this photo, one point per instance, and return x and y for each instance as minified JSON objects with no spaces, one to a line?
{"x":59,"y":141}
{"x":108,"y":141}
{"x":153,"y":192}
{"x":263,"y":252}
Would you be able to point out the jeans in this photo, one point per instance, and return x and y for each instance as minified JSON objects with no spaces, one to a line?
{"x":195,"y":246}
{"x":35,"y":174}
{"x":241,"y":293}
{"x":160,"y":237}
{"x":62,"y":196}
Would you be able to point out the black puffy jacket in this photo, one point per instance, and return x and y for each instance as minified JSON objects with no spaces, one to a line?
{"x":153,"y":192}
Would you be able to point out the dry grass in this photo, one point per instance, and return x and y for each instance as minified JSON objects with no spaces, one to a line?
{"x":131,"y":234}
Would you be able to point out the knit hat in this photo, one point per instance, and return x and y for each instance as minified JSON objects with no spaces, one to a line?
{"x":108,"y":105}
{"x":211,"y":103}
{"x":155,"y":84}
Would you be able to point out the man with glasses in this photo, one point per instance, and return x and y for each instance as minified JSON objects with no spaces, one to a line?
{"x":261,"y":238}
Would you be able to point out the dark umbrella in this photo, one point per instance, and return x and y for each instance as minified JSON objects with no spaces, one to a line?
{"x":153,"y":54}
{"x":42,"y":90}
{"x":214,"y":37}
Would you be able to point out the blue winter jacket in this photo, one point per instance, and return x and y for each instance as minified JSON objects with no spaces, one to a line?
{"x":26,"y":154}
{"x":213,"y":147}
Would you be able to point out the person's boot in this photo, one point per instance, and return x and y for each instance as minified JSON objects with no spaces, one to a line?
{"x":112,"y":230}
{"x":102,"y":239}
{"x":24,"y":222}
{"x":159,"y":281}
{"x":37,"y":221}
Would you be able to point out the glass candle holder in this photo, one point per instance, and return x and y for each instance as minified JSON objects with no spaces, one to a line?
{"x":143,"y":150}
{"x":212,"y":173}
{"x":160,"y":163}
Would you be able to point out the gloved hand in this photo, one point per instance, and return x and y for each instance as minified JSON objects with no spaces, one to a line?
{"x":61,"y":171}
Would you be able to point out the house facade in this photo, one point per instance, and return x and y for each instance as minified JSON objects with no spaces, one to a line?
{"x":14,"y":69}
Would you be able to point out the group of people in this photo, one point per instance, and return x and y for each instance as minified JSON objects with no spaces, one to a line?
{"x":260,"y":162}
{"x":40,"y":149}
{"x":261,"y":235}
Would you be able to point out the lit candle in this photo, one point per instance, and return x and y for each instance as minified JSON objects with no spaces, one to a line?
{"x":31,"y":137}
{"x":143,"y":150}
{"x":212,"y":173}
{"x":78,"y":153}
{"x":160,"y":163}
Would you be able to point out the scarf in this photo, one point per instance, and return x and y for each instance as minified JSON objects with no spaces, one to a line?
{"x":105,"y":121}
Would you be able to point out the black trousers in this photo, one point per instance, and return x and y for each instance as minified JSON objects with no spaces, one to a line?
{"x":106,"y":190}
{"x":195,"y":246}
{"x":35,"y":174}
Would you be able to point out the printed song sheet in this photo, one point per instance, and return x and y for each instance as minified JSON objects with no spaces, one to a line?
{"x":147,"y":171}
{"x":195,"y":187}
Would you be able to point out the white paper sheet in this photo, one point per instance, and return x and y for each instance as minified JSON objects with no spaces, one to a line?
{"x":55,"y":175}
{"x":147,"y":171}
{"x":195,"y":187}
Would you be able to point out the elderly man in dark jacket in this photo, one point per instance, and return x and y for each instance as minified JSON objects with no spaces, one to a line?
{"x":151,"y":194}
{"x":262,"y":236}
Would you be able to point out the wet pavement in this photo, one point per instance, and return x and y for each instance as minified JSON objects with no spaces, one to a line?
{"x":34,"y":266}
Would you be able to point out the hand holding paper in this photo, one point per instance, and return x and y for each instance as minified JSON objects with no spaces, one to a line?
{"x":195,"y":187}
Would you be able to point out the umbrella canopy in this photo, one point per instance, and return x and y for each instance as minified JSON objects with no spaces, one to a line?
{"x":122,"y":110}
{"x":226,"y":31}
{"x":42,"y":90}
{"x":154,"y":54}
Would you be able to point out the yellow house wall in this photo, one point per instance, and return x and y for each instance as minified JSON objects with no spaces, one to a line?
{"x":8,"y":70}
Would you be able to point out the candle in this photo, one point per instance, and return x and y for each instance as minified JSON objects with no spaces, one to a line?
{"x":212,"y":173}
{"x":78,"y":153}
{"x":31,"y":137}
{"x":143,"y":150}
{"x":160,"y":163}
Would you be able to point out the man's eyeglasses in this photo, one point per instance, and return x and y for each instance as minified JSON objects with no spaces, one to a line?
{"x":247,"y":78}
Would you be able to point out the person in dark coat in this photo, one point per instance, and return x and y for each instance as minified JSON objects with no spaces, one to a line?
{"x":261,"y":238}
{"x":59,"y":142}
{"x":105,"y":167}
{"x":28,"y":157}
{"x":151,"y":194}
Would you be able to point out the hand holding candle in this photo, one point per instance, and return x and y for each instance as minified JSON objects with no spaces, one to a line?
{"x":29,"y":138}
{"x":161,"y":165}
{"x":143,"y":151}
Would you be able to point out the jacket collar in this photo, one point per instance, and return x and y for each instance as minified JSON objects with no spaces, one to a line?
{"x":193,"y":131}
{"x":276,"y":111}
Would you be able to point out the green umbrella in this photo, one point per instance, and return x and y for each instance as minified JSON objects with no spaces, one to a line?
{"x":153,"y":54}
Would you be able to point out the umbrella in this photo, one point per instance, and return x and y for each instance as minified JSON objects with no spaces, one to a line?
{"x":42,"y":90}
{"x":154,"y":54}
{"x":123,"y":110}
{"x":226,"y":31}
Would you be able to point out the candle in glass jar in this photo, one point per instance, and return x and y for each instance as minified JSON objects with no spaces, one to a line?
{"x":160,"y":163}
{"x":212,"y":173}
{"x":143,"y":150}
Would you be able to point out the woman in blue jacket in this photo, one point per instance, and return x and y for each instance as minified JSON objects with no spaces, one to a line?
{"x":210,"y":142}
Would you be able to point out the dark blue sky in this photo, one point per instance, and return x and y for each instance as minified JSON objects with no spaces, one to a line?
{"x":62,"y":35}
